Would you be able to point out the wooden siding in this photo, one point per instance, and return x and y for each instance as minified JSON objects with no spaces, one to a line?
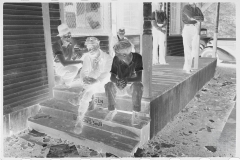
{"x":174,"y":43}
{"x":55,"y":20}
{"x":25,"y":80}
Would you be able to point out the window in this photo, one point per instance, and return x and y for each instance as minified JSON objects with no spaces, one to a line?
{"x":175,"y":19}
{"x":87,"y":18}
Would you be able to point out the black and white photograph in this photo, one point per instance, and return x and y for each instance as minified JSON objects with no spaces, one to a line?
{"x":119,"y":79}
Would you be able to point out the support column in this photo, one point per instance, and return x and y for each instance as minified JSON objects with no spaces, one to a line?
{"x":216,"y":31}
{"x":48,"y":47}
{"x":147,"y":50}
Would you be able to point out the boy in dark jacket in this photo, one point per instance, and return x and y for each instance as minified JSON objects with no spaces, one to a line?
{"x":126,"y":79}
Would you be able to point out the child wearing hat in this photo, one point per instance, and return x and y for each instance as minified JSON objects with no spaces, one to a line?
{"x":65,"y":67}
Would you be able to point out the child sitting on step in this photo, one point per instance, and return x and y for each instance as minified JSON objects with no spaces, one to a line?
{"x":126,"y":77}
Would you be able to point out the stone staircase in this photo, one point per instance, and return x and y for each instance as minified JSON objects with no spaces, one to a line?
{"x":57,"y":118}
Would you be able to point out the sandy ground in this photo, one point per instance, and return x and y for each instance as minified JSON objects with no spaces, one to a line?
{"x":194,"y":132}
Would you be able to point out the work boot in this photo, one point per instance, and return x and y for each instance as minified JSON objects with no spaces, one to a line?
{"x":135,"y":118}
{"x":79,"y":125}
{"x":110,"y":115}
{"x":74,"y":101}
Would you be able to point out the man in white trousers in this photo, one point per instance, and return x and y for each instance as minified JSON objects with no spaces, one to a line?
{"x":94,"y":75}
{"x":191,"y":17}
{"x":159,"y":22}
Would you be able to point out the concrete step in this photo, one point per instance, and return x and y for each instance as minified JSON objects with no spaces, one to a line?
{"x":94,"y":138}
{"x":123,"y":102}
{"x":121,"y":123}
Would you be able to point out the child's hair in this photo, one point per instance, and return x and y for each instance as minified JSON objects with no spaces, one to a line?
{"x":123,"y":46}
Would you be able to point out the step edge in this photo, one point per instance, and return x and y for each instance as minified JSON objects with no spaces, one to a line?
{"x":94,"y":117}
{"x":79,"y":139}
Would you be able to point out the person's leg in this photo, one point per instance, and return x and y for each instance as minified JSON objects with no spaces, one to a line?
{"x":70,"y":74}
{"x":111,"y":91}
{"x":83,"y":107}
{"x":194,"y":46}
{"x":187,"y":44}
{"x":136,"y":90}
{"x":162,"y":54}
{"x":155,"y":35}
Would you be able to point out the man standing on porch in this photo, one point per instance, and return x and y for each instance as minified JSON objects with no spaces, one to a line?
{"x":159,"y":22}
{"x":126,"y":79}
{"x":191,"y":17}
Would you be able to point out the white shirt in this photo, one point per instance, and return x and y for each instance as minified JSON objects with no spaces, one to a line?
{"x":101,"y":72}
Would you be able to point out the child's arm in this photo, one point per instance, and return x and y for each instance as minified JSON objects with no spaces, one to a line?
{"x":137,"y":78}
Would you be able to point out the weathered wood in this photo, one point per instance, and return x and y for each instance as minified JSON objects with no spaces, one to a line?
{"x":96,"y":139}
{"x":54,"y":14}
{"x":25,"y":86}
{"x":22,"y":65}
{"x":6,"y":125}
{"x":22,"y":33}
{"x":9,"y":60}
{"x":147,"y":50}
{"x":173,"y":89}
{"x":37,"y":51}
{"x":22,"y":7}
{"x":24,"y":46}
{"x":121,"y":124}
{"x":25,"y":12}
{"x":54,"y":6}
{"x":216,"y":31}
{"x":21,"y":37}
{"x":17,"y":17}
{"x":48,"y":47}
{"x":15,"y":98}
{"x":25,"y":92}
{"x":25,"y":4}
{"x":18,"y":120}
{"x":21,"y":79}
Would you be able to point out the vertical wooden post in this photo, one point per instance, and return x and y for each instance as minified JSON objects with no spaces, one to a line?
{"x":166,"y":33}
{"x":147,"y":50}
{"x":61,"y":7}
{"x":216,"y":32}
{"x":48,"y":47}
{"x":196,"y":56}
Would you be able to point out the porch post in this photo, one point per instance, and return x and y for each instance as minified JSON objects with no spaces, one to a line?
{"x":48,"y":47}
{"x":147,"y":50}
{"x":216,"y":31}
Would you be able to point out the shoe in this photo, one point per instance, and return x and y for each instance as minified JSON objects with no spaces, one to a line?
{"x":135,"y":118}
{"x":74,"y":101}
{"x":110,"y":115}
{"x":188,"y":71}
{"x":79,"y":124}
{"x":78,"y":127}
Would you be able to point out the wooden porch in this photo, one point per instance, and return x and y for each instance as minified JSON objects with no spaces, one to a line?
{"x":173,"y":89}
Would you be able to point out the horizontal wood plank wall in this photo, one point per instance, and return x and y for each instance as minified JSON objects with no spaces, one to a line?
{"x":174,"y":43}
{"x":25,"y":80}
{"x":55,"y":20}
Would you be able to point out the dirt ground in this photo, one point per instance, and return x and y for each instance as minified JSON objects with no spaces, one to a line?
{"x":194,"y":132}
